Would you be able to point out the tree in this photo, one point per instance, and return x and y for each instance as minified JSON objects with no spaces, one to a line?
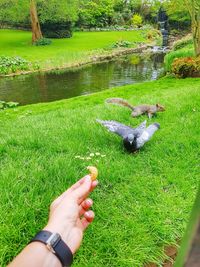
{"x":96,"y":13}
{"x":193,"y":8}
{"x":36,"y":12}
{"x":58,"y":11}
{"x":35,"y":24}
{"x":57,"y":17}
{"x":12,"y":12}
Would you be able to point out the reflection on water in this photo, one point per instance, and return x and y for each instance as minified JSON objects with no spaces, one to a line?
{"x":46,"y":87}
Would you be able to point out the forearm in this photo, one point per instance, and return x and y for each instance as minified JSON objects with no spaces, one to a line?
{"x":68,"y":219}
{"x":35,"y":254}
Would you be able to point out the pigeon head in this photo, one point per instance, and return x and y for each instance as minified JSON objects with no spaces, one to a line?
{"x":130,"y":143}
{"x":130,"y":138}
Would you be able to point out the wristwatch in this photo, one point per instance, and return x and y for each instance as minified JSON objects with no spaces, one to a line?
{"x":56,"y":245}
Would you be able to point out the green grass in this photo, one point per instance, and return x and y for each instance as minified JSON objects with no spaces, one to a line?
{"x":63,"y":52}
{"x":143,"y":201}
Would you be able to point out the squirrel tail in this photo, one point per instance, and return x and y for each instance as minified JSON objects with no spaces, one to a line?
{"x":120,"y":101}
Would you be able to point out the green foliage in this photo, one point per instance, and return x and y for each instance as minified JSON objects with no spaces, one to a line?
{"x":12,"y":11}
{"x":147,"y":9}
{"x":121,"y":43}
{"x":143,"y":200}
{"x":183,"y":42}
{"x":105,"y":13}
{"x":43,"y":41}
{"x":5,"y":105}
{"x":137,"y":20}
{"x":12,"y":64}
{"x":135,"y":59}
{"x":57,"y":11}
{"x":56,"y":29}
{"x":179,"y":17}
{"x":169,"y":58}
{"x":186,"y":67}
{"x":96,"y":14}
{"x":91,"y":13}
{"x":117,"y":19}
{"x":154,"y":35}
{"x":182,"y":48}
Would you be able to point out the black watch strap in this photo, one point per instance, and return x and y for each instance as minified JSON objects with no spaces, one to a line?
{"x":56,"y":245}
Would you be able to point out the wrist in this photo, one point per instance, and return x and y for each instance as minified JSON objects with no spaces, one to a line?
{"x":55,"y":244}
{"x":61,"y":230}
{"x":72,"y":237}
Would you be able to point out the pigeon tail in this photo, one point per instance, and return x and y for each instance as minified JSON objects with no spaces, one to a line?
{"x":147,"y":134}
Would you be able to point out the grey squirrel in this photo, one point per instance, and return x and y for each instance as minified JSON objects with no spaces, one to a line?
{"x":150,"y":110}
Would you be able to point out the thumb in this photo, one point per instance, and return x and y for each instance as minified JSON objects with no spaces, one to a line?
{"x":84,"y":188}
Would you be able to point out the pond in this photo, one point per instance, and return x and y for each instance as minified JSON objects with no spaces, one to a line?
{"x":56,"y":85}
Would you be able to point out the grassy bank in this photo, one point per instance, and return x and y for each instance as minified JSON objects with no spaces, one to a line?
{"x":64,"y":52}
{"x":143,"y":200}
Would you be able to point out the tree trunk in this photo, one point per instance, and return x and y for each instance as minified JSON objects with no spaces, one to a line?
{"x":195,"y":16}
{"x":196,"y":37}
{"x":189,"y":253}
{"x":36,"y":31}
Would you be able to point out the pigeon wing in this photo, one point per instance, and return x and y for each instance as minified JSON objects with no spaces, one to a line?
{"x":140,"y":129}
{"x":117,"y":128}
{"x":147,"y":134}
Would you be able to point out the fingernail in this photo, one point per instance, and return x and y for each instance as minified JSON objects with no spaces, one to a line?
{"x":95,"y":183}
{"x":88,"y":214}
{"x":89,"y":201}
{"x":87,"y":178}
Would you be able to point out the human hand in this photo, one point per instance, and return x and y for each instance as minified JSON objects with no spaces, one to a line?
{"x":69,"y":213}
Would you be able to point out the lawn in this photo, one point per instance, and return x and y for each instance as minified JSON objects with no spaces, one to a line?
{"x":143,"y":201}
{"x":63,"y":51}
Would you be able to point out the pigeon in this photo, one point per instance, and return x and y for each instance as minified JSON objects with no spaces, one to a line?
{"x":133,"y":138}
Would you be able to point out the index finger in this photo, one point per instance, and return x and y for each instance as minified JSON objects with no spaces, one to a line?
{"x":69,"y":190}
{"x":93,"y":186}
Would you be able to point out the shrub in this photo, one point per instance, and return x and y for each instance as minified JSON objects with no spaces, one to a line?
{"x":174,"y":32}
{"x":12,"y":104}
{"x":57,"y":29}
{"x":5,"y":105}
{"x":135,"y":59}
{"x":180,"y":20}
{"x":169,"y":58}
{"x":154,"y":35}
{"x":186,"y":67}
{"x":2,"y":104}
{"x":137,"y":20}
{"x":183,"y":42}
{"x":12,"y":64}
{"x":124,"y":43}
{"x":43,"y":41}
{"x":117,"y":19}
{"x":58,"y":34}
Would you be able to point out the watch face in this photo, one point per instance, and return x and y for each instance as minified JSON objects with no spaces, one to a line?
{"x":53,"y":240}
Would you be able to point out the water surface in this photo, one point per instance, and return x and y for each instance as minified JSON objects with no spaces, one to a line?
{"x":51,"y":86}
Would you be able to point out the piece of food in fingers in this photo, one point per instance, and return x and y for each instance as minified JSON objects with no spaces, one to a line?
{"x":93,"y":172}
